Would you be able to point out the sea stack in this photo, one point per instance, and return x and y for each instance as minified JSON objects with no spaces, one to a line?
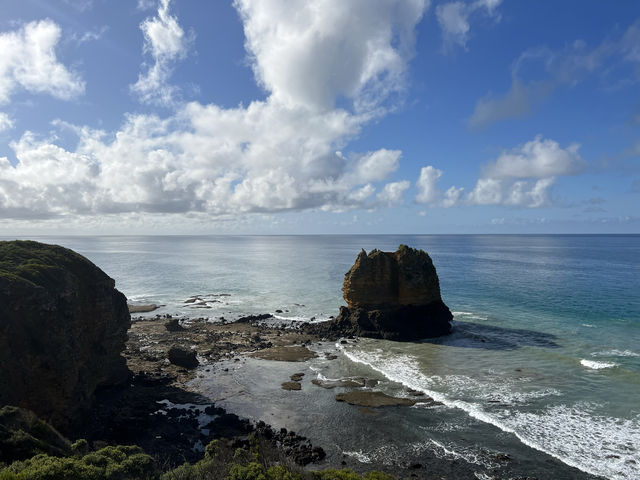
{"x":393,"y":295}
{"x":63,"y":326}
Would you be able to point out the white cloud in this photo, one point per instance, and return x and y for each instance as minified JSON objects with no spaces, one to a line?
{"x":430,"y":194}
{"x":377,"y":165}
{"x":454,"y":18}
{"x":452,"y":196}
{"x":488,"y":191}
{"x":426,"y":184}
{"x":281,"y":153}
{"x":28,"y":60}
{"x":538,"y":158}
{"x":166,"y":42}
{"x":5,"y":122}
{"x":391,"y":194}
{"x":323,"y":49}
{"x":523,"y":176}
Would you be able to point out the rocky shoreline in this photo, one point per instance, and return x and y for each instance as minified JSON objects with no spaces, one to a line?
{"x":164,"y":398}
{"x":170,"y":420}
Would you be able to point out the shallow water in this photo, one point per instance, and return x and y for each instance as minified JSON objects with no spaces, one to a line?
{"x":546,"y":342}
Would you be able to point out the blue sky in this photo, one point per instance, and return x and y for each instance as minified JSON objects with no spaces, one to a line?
{"x":322,"y":116}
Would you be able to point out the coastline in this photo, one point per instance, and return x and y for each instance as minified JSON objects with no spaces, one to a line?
{"x":232,"y":352}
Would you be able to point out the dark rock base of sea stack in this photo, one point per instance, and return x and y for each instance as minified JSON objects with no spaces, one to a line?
{"x":404,"y":323}
{"x":390,"y":295}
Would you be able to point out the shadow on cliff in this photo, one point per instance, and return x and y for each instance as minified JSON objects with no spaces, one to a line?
{"x":490,"y":337}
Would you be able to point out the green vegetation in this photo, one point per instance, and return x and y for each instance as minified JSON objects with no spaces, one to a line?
{"x":32,"y":263}
{"x":23,"y":435}
{"x":109,"y":463}
{"x":260,"y":461}
{"x":30,"y":449}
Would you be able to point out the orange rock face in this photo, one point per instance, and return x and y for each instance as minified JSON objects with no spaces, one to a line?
{"x":391,"y":279}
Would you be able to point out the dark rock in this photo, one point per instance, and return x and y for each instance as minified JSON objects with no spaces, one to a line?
{"x":62,"y":328}
{"x":213,"y":410}
{"x":254,"y":318}
{"x":183,"y":358}
{"x":390,"y":295}
{"x":174,"y":326}
{"x":291,"y":386}
{"x":297,"y":377}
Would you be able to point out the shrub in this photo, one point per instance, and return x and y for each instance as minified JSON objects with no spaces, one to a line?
{"x":109,"y":463}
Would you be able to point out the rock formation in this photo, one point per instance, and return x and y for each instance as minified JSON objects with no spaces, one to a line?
{"x":182,"y":357}
{"x":63,"y":326}
{"x":392,"y":295}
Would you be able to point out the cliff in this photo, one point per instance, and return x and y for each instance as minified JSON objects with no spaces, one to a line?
{"x":63,"y":326}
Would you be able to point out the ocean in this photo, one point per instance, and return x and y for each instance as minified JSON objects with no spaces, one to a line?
{"x":544,"y":358}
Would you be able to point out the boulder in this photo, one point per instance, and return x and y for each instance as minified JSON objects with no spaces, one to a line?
{"x":183,"y":357}
{"x":391,"y":295}
{"x":63,"y":326}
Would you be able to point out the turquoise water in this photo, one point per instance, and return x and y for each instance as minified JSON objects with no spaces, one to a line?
{"x":546,"y":342}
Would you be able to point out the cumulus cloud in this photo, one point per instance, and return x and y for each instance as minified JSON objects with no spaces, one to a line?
{"x":281,"y":153}
{"x":426,"y":184}
{"x":391,"y":194}
{"x":377,"y":165}
{"x":523,"y":176}
{"x":454,"y":18}
{"x":538,"y":158}
{"x":430,"y":194}
{"x":330,"y":49}
{"x":520,"y":177}
{"x":452,"y":196}
{"x":565,"y":67}
{"x":166,"y":42}
{"x":28,"y":61}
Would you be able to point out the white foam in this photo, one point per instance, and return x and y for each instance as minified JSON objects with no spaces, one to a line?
{"x":592,"y":364}
{"x":470,"y":315}
{"x":294,"y":318}
{"x":359,"y":456}
{"x":482,"y":476}
{"x":456,"y":453}
{"x":597,"y":445}
{"x":615,"y":353}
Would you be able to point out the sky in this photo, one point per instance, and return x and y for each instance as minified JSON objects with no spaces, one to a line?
{"x":319,"y":116}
